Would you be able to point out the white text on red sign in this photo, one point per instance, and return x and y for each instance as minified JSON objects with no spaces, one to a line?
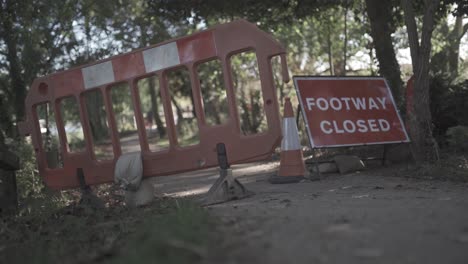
{"x":350,"y":103}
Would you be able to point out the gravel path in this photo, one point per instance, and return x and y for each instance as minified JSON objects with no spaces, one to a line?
{"x":357,"y":218}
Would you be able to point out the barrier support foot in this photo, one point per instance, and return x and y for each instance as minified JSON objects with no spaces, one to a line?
{"x":88,"y":198}
{"x":226,"y":187}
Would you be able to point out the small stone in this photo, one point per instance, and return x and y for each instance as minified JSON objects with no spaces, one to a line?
{"x":348,"y":163}
{"x":360,"y":196}
{"x":368,"y":252}
{"x":329,"y":167}
{"x":339,"y":228}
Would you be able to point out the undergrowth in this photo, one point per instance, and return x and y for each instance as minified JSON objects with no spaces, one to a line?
{"x":166,"y":231}
{"x":452,"y":166}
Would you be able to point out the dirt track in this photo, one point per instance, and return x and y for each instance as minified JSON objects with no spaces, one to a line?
{"x":357,"y":218}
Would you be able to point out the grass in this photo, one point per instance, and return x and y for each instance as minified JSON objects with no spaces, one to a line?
{"x":451,"y":167}
{"x":167,"y":231}
{"x":178,"y":237}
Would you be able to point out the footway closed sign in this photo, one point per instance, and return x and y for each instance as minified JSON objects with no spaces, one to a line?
{"x":347,"y":111}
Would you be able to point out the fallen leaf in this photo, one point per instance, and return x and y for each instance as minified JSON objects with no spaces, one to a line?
{"x":360,"y":196}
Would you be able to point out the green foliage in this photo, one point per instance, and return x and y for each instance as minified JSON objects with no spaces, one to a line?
{"x":449,"y":106}
{"x":457,"y":138}
{"x":167,"y":231}
{"x":28,"y":180}
{"x":123,"y":108}
{"x":185,"y":235}
{"x":33,"y":196}
{"x":183,"y":106}
{"x":247,"y":87}
{"x":213,"y":92}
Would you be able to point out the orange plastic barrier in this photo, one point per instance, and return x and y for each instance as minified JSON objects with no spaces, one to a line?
{"x":220,"y":42}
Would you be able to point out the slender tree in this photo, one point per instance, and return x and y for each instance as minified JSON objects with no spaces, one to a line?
{"x":423,"y":144}
{"x":380,"y":16}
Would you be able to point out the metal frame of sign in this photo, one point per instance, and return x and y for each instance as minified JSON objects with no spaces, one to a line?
{"x":304,"y":116}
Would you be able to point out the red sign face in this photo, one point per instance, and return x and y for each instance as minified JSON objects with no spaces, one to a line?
{"x":347,"y":111}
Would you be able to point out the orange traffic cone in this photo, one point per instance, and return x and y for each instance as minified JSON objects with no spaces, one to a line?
{"x":292,"y":168}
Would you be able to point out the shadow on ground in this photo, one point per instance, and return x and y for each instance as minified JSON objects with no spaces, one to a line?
{"x":367,"y":217}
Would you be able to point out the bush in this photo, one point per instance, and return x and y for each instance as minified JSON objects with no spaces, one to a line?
{"x":28,"y":180}
{"x":33,"y":196}
{"x":449,"y":106}
{"x":457,"y":137}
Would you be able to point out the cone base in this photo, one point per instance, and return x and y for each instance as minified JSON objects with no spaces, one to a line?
{"x":291,"y":163}
{"x":275,"y":179}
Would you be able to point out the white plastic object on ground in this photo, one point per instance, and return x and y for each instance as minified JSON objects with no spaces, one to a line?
{"x":129,"y":171}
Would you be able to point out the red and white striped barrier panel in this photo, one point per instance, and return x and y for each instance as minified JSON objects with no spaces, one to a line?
{"x":220,"y":42}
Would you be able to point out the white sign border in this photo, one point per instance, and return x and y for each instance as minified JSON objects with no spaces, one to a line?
{"x":304,"y":116}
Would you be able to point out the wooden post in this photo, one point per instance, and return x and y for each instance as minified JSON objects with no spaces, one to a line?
{"x":9,"y":163}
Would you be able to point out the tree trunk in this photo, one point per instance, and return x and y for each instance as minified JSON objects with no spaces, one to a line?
{"x":6,"y":122}
{"x":152,"y":89}
{"x":154,"y":108}
{"x":2,"y":138}
{"x":445,"y":62}
{"x":9,"y":163}
{"x":180,"y":115}
{"x":345,"y":42}
{"x":453,"y":47}
{"x":423,"y":144}
{"x":330,"y":51}
{"x":97,"y":118}
{"x":18,"y":86}
{"x":380,"y":16}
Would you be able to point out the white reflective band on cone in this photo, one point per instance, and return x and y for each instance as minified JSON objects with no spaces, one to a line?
{"x":290,"y":135}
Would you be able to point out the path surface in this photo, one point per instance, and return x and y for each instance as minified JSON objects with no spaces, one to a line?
{"x":358,"y":218}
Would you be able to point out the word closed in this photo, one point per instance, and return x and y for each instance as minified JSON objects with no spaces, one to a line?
{"x":349,"y":111}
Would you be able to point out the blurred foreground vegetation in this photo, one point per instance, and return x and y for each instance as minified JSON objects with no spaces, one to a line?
{"x":166,"y":231}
